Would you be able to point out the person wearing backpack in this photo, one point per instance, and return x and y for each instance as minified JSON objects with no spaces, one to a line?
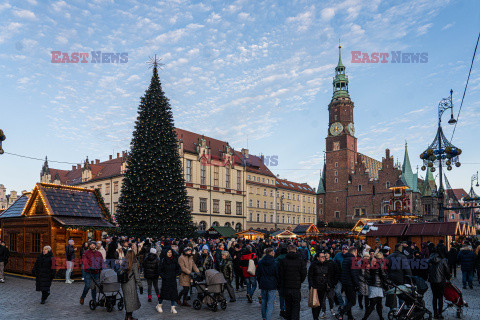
{"x":248,"y":270}
{"x":438,"y":274}
{"x":304,"y":252}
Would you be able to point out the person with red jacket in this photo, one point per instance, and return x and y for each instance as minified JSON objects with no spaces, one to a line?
{"x":250,"y":279}
{"x":92,"y":261}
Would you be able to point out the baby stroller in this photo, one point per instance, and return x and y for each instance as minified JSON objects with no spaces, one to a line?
{"x":210,"y":292}
{"x":413,"y":306}
{"x":455,"y":298}
{"x":108,"y":291}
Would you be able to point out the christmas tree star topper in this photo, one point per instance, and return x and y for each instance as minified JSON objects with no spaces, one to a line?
{"x":155,"y":62}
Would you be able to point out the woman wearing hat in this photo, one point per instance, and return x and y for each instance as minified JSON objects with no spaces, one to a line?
{"x":188,"y":268}
{"x":151,"y":267}
{"x":44,"y":272}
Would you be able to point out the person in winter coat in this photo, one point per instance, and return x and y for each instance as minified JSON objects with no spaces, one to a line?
{"x":338,"y":259}
{"x":236,"y":257}
{"x":363,"y":278}
{"x":281,"y":254}
{"x":44,"y":272}
{"x":292,"y":272}
{"x":188,"y":270}
{"x":250,"y":279}
{"x":377,"y":282}
{"x":438,"y":274}
{"x":318,"y":278}
{"x":217,"y":258}
{"x":82,"y":252}
{"x":466,"y":258}
{"x":452,"y":259}
{"x":92,"y":266}
{"x":129,"y":289}
{"x":267,"y":277}
{"x":333,"y":279}
{"x":304,"y":252}
{"x":70,"y":259}
{"x":169,"y":270}
{"x":205,"y":260}
{"x":350,"y":282}
{"x":398,"y":266}
{"x":226,"y":268}
{"x":441,"y":249}
{"x":4,"y":254}
{"x":151,"y":272}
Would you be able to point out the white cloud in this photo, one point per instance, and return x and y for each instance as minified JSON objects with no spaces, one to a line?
{"x":214,"y":18}
{"x":61,"y":40}
{"x":9,"y":31}
{"x":59,"y":6}
{"x":327,"y":13}
{"x":245,"y":16}
{"x":448,"y":26}
{"x":4,"y":6}
{"x":304,"y":20}
{"x":24,"y":14}
{"x":423,"y":29}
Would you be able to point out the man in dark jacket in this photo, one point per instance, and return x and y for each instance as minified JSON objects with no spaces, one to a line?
{"x":319,"y":277}
{"x":70,"y":258}
{"x":466,"y":258}
{"x":267,"y":277}
{"x":350,"y":282}
{"x":452,"y":259}
{"x":292,"y":272}
{"x":398,"y":269}
{"x":92,"y":266}
{"x":441,"y":249}
{"x":151,"y":272}
{"x":236,"y":257}
{"x":438,"y":274}
{"x":4,"y":254}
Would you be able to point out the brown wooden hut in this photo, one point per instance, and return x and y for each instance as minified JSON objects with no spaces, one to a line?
{"x":389,"y":234}
{"x":51,"y":215}
{"x":306,"y":231}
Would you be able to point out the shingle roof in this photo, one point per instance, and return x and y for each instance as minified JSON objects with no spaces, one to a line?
{"x":372,"y":165}
{"x":83,"y":222}
{"x":459,"y":193}
{"x":302,"y":228}
{"x":387,"y":230}
{"x":16,"y":209}
{"x":432,"y":229}
{"x":254,"y":164}
{"x":290,"y":185}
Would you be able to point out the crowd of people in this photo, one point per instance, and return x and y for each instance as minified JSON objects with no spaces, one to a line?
{"x":343,"y":272}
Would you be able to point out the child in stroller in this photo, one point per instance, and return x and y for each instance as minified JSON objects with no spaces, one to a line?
{"x":109,"y":291}
{"x":413,"y":306}
{"x":455,"y":298}
{"x":210,"y":292}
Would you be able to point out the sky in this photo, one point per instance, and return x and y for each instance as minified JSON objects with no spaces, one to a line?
{"x":257,"y":74}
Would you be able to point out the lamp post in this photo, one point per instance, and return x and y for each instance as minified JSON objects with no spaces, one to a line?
{"x":2,"y":138}
{"x":441,"y":152}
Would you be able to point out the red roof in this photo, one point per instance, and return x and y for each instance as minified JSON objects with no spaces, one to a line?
{"x":432,"y":229}
{"x":289,"y":185}
{"x":387,"y":230}
{"x":459,"y":193}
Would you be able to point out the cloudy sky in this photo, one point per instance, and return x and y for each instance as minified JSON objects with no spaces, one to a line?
{"x":254,"y":73}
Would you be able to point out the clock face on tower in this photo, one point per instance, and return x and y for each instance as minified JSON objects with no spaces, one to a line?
{"x":336,"y":128}
{"x":351,"y":129}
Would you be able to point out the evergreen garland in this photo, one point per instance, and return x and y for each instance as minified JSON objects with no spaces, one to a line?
{"x":153,"y":199}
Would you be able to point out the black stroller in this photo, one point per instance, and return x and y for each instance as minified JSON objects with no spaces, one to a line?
{"x":108,"y":291}
{"x":210,"y":292}
{"x":413,"y":306}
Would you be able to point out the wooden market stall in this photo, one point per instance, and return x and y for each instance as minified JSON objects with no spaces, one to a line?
{"x":389,"y":234}
{"x":362,"y":225}
{"x":250,"y":234}
{"x":284,"y":234}
{"x":52,"y":215}
{"x":220,"y":232}
{"x":307,"y":231}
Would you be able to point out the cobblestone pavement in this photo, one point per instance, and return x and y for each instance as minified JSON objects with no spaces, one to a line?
{"x":18,"y":300}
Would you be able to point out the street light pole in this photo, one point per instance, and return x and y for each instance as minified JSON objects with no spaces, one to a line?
{"x":2,"y":138}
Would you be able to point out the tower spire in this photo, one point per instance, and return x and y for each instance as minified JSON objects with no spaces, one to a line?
{"x":340,"y":81}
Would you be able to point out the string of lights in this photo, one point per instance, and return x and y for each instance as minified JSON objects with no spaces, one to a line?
{"x":466,"y":85}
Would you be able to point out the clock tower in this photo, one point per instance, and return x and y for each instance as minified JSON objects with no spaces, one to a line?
{"x":341,"y":146}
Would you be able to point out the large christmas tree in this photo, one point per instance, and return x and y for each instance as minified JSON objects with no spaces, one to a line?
{"x":153,"y":200}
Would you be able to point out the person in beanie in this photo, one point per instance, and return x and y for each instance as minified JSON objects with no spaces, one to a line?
{"x":169,"y":270}
{"x":188,"y":270}
{"x":466,"y":258}
{"x":92,"y":265}
{"x":267,"y":276}
{"x":70,"y":258}
{"x":438,"y":274}
{"x":44,"y":272}
{"x":292,"y":272}
{"x":151,"y":272}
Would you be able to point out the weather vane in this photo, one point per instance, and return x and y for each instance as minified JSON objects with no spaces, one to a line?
{"x":155,"y":62}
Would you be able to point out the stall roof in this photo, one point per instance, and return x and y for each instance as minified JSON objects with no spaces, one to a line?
{"x":283,"y":233}
{"x":226,"y":232}
{"x":303,"y":229}
{"x":16,"y":209}
{"x":434,"y":229}
{"x":387,"y":230}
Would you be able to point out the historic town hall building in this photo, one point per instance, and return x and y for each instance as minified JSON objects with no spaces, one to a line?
{"x":353,"y":185}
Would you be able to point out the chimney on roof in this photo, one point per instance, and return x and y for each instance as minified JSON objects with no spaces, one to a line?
{"x":244,"y":152}
{"x":91,"y":162}
{"x":97,"y":161}
{"x":110,"y":157}
{"x":118,"y":155}
{"x":123,"y":154}
{"x":387,"y":153}
{"x":263,"y":159}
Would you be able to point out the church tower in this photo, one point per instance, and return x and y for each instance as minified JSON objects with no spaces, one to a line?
{"x":341,"y":146}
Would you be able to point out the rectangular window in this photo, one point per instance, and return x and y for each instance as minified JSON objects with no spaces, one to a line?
{"x":203,"y":175}
{"x":337,"y":214}
{"x":99,"y":187}
{"x":336,"y":146}
{"x":360,"y":188}
{"x":251,"y":216}
{"x":36,"y":245}
{"x":239,"y":180}
{"x":387,"y":184}
{"x":227,"y":177}
{"x":336,"y":164}
{"x":263,"y":179}
{"x":188,"y":172}
{"x":13,"y":242}
{"x":190,"y":203}
{"x":258,"y":217}
{"x":271,"y":205}
{"x":271,"y":218}
{"x":249,"y":177}
{"x":203,"y":204}
{"x":303,"y":209}
{"x":239,"y":208}
{"x":216,"y":206}
{"x":228,"y":207}
{"x":336,"y":180}
{"x":288,"y":195}
{"x":265,"y":204}
{"x":308,"y":200}
{"x":264,"y":192}
{"x":288,"y":206}
{"x":115,"y":187}
{"x":264,"y":217}
{"x":215,"y":176}
{"x":107,"y":188}
{"x":250,"y":203}
{"x":320,"y":200}
{"x":258,"y":203}
{"x":271,"y":193}
{"x":115,"y":204}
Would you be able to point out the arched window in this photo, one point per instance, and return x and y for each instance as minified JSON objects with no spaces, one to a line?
{"x":227,"y":224}
{"x":215,"y":224}
{"x":202,"y":226}
{"x":238,"y":227}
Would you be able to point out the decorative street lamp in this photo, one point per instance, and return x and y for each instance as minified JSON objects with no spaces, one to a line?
{"x":441,"y":152}
{"x":472,"y":199}
{"x":2,"y":138}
